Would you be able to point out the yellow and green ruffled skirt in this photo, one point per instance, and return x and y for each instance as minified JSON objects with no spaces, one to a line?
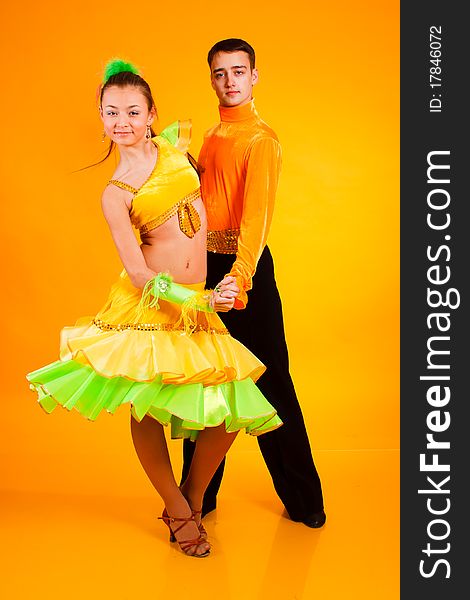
{"x":149,"y":360}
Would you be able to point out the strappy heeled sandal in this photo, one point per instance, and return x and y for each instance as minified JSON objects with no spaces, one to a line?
{"x":185,"y":545}
{"x":202,"y":529}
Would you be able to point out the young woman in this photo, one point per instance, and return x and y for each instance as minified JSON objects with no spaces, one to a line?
{"x":157,"y":343}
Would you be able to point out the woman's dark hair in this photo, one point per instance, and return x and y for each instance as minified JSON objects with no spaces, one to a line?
{"x":195,"y":165}
{"x":232,"y":45}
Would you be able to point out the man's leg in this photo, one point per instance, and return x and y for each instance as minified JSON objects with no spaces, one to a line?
{"x":286,"y":450}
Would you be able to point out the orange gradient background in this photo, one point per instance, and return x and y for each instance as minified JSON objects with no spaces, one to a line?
{"x":329,"y":87}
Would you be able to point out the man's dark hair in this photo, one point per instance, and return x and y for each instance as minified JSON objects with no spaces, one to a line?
{"x":232,"y":45}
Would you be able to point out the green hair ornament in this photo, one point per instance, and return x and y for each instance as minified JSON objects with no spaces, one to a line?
{"x":117,"y":65}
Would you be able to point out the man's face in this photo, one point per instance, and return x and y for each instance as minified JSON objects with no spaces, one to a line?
{"x":232,"y":78}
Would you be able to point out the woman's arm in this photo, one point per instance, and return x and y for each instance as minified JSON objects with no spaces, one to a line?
{"x":116,"y":213}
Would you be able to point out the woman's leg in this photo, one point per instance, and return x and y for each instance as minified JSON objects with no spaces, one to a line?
{"x":212,"y":445}
{"x":151,"y":447}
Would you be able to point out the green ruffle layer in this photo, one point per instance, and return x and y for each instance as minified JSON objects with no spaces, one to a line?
{"x":189,"y":408}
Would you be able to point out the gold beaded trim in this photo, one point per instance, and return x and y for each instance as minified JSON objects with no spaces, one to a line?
{"x":123,"y":186}
{"x":223,"y":242}
{"x":188,"y":217}
{"x":156,"y":327}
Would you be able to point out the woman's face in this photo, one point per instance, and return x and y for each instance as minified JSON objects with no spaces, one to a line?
{"x":125,"y":115}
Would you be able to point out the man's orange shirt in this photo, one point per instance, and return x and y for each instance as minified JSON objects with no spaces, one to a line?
{"x":241,"y":162}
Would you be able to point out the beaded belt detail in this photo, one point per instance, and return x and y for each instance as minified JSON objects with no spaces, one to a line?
{"x":155,"y":327}
{"x":223,"y":242}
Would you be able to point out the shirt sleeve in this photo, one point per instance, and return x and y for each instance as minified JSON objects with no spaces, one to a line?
{"x":262,"y":177}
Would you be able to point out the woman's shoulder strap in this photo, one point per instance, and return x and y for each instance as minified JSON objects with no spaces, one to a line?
{"x":123,"y":186}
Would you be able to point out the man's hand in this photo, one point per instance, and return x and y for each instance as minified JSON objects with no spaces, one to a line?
{"x":224,"y":294}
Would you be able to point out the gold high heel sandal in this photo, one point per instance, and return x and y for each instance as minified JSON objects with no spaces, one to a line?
{"x":185,"y":545}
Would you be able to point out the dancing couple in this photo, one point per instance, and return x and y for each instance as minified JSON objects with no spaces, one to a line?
{"x":158,"y":344}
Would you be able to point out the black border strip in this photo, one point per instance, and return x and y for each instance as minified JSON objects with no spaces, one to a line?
{"x":434,"y":546}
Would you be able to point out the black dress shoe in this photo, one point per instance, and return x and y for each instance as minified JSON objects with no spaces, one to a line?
{"x":315,"y":520}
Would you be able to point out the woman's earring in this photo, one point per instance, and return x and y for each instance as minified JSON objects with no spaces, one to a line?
{"x":104,"y":136}
{"x":148,"y":134}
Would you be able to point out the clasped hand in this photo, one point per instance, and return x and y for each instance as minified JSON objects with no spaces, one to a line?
{"x":224,"y":294}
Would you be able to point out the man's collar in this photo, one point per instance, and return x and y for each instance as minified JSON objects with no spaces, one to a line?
{"x":233,"y":114}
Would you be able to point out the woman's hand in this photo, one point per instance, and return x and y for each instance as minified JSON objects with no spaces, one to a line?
{"x":224,"y":294}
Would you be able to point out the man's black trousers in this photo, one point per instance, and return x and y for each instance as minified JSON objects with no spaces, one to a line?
{"x":286,"y":450}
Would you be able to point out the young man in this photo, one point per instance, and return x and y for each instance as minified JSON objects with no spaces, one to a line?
{"x":240,"y":163}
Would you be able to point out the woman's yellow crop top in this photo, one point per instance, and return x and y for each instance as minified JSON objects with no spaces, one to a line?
{"x":171,"y":189}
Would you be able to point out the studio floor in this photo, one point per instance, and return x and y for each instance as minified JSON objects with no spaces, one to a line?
{"x":111,"y":546}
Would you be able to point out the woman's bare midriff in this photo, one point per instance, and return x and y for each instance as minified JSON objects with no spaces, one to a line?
{"x":167,"y":249}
